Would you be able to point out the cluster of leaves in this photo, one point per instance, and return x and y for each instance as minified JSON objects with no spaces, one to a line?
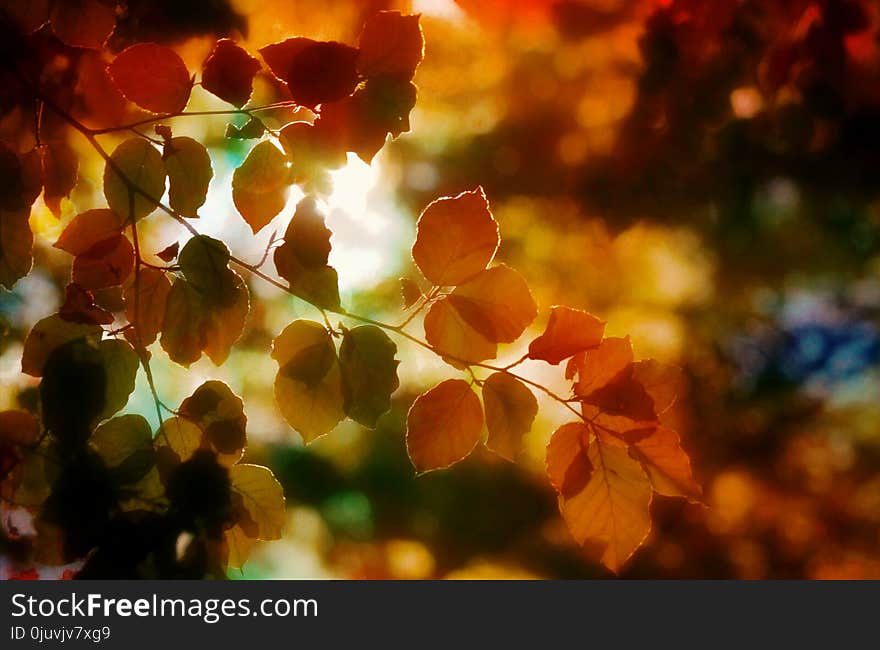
{"x":179,"y":502}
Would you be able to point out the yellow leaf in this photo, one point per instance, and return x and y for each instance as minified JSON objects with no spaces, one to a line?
{"x":308,"y":386}
{"x":497,"y":303}
{"x":262,"y":497}
{"x":135,"y":162}
{"x":443,"y":425}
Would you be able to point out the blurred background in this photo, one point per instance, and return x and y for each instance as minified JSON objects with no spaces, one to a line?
{"x":703,"y":176}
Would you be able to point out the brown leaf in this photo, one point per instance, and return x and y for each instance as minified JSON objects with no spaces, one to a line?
{"x":48,"y":334}
{"x":456,"y":238}
{"x":568,"y":332}
{"x":106,"y":264}
{"x":390,"y":44}
{"x":79,"y":307}
{"x":87,"y":229}
{"x":443,"y":425}
{"x":16,"y":246}
{"x":146,"y":297}
{"x":510,"y":411}
{"x":152,"y":76}
{"x":60,"y":164}
{"x":169,"y":253}
{"x":410,"y":292}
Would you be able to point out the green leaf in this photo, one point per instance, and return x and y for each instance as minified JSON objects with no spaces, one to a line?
{"x":121,"y":362}
{"x":189,"y":174}
{"x":204,"y":263}
{"x":140,"y":165}
{"x":260,"y":185}
{"x":369,"y":373}
{"x":125,"y":443}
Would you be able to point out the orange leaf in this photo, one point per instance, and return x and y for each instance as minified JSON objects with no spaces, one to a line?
{"x":456,"y":238}
{"x":596,"y":368}
{"x":668,"y":466}
{"x":607,"y":508}
{"x":150,"y":294}
{"x":443,"y":425}
{"x":106,"y":264}
{"x":390,"y":44}
{"x":316,"y":72}
{"x":152,"y":76}
{"x":568,"y":332}
{"x":663,"y":382}
{"x":229,"y":73}
{"x":87,"y":229}
{"x":510,"y":410}
{"x":457,"y":342}
{"x":497,"y":303}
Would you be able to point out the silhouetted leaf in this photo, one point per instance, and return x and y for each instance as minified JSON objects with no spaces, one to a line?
{"x":48,"y":334}
{"x":16,"y":246}
{"x":204,"y":263}
{"x":390,"y":44}
{"x":79,"y":307}
{"x":189,"y":173}
{"x":251,"y":130}
{"x":120,"y":362}
{"x":443,"y":425}
{"x":219,"y":413}
{"x":308,"y":386}
{"x":139,"y":166}
{"x":229,"y":72}
{"x":456,"y":238}
{"x":369,"y":373}
{"x":88,"y":229}
{"x":169,"y":253}
{"x":106,"y":264}
{"x":125,"y":444}
{"x":410,"y":292}
{"x":152,"y":76}
{"x":83,"y":23}
{"x":60,"y":165}
{"x":510,"y":410}
{"x":315,"y":71}
{"x":260,"y":185}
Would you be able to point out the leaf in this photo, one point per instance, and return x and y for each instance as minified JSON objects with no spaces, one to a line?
{"x":410,"y":292}
{"x":262,"y":496}
{"x":443,"y":425}
{"x":16,"y":246}
{"x":568,"y":332}
{"x":229,"y":73}
{"x":302,"y":258}
{"x":252,"y":130}
{"x":60,"y":164}
{"x":83,"y":23}
{"x":145,"y":301}
{"x":390,"y":44}
{"x":189,"y":173}
{"x":314,"y":149}
{"x":204,"y":263}
{"x":663,"y":382}
{"x":121,"y":363}
{"x":169,"y":253}
{"x":510,"y":411}
{"x":140,"y":164}
{"x":152,"y":76}
{"x":193,"y":324}
{"x":88,"y":229}
{"x":594,"y":369}
{"x":106,"y":264}
{"x":79,"y":307}
{"x":47,"y":335}
{"x":19,"y":427}
{"x":497,"y":303}
{"x":22,"y":178}
{"x":219,"y":413}
{"x":315,"y":72}
{"x":179,"y":435}
{"x":260,"y":185}
{"x":456,"y":238}
{"x":239,"y":546}
{"x":125,"y":444}
{"x":453,"y":338}
{"x":604,"y":495}
{"x":668,"y":466}
{"x":308,"y":386}
{"x":369,"y":373}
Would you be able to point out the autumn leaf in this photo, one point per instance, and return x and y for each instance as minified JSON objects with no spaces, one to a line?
{"x":152,"y":76}
{"x":253,"y":129}
{"x":219,"y":413}
{"x":315,"y":71}
{"x":125,"y":444}
{"x":83,"y":23}
{"x":87,"y":229}
{"x":262,"y":497}
{"x":229,"y":73}
{"x":169,"y":253}
{"x":369,"y":373}
{"x":302,"y":258}
{"x":410,"y":293}
{"x":120,"y":362}
{"x":106,"y":264}
{"x":595,"y":368}
{"x":308,"y":386}
{"x":390,"y":44}
{"x":16,"y":246}
{"x":22,"y":178}
{"x":189,"y":173}
{"x":260,"y":185}
{"x":604,"y":494}
{"x":181,"y":437}
{"x":145,"y":301}
{"x":453,"y":338}
{"x":456,"y":238}
{"x":204,"y":262}
{"x":60,"y":165}
{"x":510,"y":411}
{"x":47,"y":335}
{"x":569,"y":331}
{"x":79,"y":307}
{"x":497,"y":303}
{"x":667,"y":464}
{"x":443,"y":425}
{"x":135,"y":163}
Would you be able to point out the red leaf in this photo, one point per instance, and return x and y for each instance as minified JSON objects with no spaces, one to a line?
{"x":315,"y":71}
{"x":79,"y":307}
{"x":391,"y":44}
{"x":229,"y":73}
{"x":152,"y":76}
